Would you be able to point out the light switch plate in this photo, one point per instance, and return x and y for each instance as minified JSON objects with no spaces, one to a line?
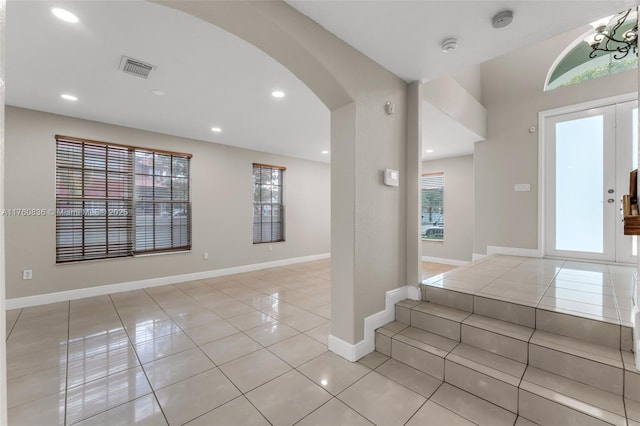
{"x":522,"y":187}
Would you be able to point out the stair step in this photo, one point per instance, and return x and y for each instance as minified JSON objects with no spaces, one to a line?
{"x":438,"y":319}
{"x":384,"y":334}
{"x":500,"y":337}
{"x":491,"y":377}
{"x":422,"y":350}
{"x":631,"y":377}
{"x":548,"y":398}
{"x":633,"y":411}
{"x":470,"y":407}
{"x":589,"y":363}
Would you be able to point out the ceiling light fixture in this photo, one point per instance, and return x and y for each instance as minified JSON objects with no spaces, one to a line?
{"x":617,"y":35}
{"x":429,"y":151}
{"x":68,"y":97}
{"x":277,"y":94}
{"x":449,"y":45}
{"x":64,"y":15}
{"x":325,"y":152}
{"x":159,"y":92}
{"x":216,"y":129}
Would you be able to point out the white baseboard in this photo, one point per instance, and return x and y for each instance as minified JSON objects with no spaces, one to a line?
{"x":514,"y":251}
{"x":477,"y":256}
{"x":444,"y":261}
{"x":63,"y":296}
{"x":354,"y":352}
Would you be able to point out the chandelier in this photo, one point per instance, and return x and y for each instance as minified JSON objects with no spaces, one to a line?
{"x":616,"y":34}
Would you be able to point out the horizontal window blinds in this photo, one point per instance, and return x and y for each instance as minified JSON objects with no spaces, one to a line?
{"x":105,"y":208}
{"x":268,"y":208}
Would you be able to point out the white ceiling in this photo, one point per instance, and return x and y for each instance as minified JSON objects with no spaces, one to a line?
{"x":212,"y":78}
{"x":405,"y":36}
{"x":444,"y":135}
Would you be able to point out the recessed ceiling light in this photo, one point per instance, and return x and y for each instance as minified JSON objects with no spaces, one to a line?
{"x":429,"y":151}
{"x":68,"y":97}
{"x":325,"y":152}
{"x":64,"y":15}
{"x":216,"y":129}
{"x":159,"y":92}
{"x":277,"y":94}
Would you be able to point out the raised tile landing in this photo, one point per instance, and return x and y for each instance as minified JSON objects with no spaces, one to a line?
{"x":589,"y":290}
{"x":542,"y":341}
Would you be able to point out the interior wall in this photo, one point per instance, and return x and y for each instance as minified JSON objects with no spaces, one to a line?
{"x":355,"y":89}
{"x":512,"y":93}
{"x":221,"y":192}
{"x":458,"y":209}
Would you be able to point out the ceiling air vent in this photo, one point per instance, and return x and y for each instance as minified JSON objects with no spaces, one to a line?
{"x":136,"y":67}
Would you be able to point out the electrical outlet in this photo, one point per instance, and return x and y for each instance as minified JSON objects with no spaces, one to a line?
{"x":205,"y":256}
{"x":27,"y":274}
{"x":270,"y":247}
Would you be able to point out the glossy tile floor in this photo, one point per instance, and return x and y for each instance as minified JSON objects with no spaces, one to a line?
{"x":247,"y":349}
{"x":597,"y":291}
{"x":431,"y":269}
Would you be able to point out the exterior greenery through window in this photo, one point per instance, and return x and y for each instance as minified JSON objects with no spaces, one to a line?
{"x":268,"y":209}
{"x":432,"y":188}
{"x":115,"y":200}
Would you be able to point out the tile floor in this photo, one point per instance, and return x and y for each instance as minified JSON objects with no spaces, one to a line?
{"x":247,"y":349}
{"x":596,"y":291}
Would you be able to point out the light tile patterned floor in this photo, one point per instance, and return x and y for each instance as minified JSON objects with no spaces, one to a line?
{"x":597,"y":291}
{"x":247,"y":349}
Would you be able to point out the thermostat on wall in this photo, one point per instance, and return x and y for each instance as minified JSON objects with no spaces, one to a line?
{"x":391,"y":177}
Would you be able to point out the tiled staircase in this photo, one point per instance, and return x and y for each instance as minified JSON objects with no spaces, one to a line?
{"x":547,"y":367}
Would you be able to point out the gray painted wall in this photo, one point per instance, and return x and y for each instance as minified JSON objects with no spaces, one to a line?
{"x":458,"y":209}
{"x":221,"y":200}
{"x":512,"y":93}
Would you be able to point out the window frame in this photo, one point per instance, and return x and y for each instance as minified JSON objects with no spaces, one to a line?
{"x":76,"y":252}
{"x":441,"y":219}
{"x":257,"y":187}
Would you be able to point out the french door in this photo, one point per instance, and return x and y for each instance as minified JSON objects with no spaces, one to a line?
{"x":588,"y":157}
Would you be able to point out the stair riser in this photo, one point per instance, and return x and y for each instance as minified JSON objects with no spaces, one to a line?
{"x":436,"y":325}
{"x":488,"y":388}
{"x":547,"y":412}
{"x":418,"y":359}
{"x":589,"y":372}
{"x":383,"y":344}
{"x":598,"y":332}
{"x":495,"y":343}
{"x":632,"y":385}
{"x":403,"y":314}
{"x":449,"y":298}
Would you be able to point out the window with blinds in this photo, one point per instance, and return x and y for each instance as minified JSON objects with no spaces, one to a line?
{"x":116,"y":200}
{"x":432,"y":191}
{"x":268,"y":208}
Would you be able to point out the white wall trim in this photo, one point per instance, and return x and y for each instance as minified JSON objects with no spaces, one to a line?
{"x":477,"y":256}
{"x":354,"y":352}
{"x":63,"y":296}
{"x":444,"y":261}
{"x":514,"y":251}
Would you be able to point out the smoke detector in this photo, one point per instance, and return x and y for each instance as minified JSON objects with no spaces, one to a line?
{"x":502,"y":19}
{"x":449,"y":45}
{"x":136,"y":67}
